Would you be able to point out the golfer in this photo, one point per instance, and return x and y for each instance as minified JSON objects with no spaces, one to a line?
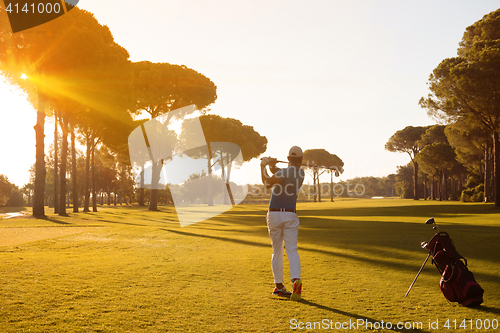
{"x":282,"y":220}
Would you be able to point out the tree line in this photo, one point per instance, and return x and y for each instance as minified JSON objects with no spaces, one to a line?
{"x":10,"y":194}
{"x":460,"y":158}
{"x":73,"y":71}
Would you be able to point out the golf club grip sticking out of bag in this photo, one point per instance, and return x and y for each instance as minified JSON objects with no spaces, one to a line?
{"x":457,"y":282}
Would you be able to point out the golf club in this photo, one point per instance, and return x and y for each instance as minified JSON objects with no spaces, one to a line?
{"x":431,"y":221}
{"x":337,"y":173}
{"x":424,"y":246}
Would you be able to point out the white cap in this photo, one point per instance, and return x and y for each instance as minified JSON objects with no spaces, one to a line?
{"x":295,"y":151}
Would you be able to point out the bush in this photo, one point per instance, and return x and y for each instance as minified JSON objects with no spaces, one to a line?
{"x":475,"y":194}
{"x":16,"y":199}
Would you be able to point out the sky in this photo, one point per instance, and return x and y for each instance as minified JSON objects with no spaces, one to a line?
{"x":339,"y":75}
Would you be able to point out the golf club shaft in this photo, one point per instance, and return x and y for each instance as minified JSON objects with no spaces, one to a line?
{"x":415,"y":280}
{"x":437,"y":226}
{"x":311,"y":166}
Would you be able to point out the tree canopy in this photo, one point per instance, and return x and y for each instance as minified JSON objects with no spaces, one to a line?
{"x":63,"y":61}
{"x":159,"y":88}
{"x":319,"y":161}
{"x":5,"y":189}
{"x":223,"y":140}
{"x":408,"y":140}
{"x":436,"y":157}
{"x":463,"y":87}
{"x":321,"y":157}
{"x":219,"y":129}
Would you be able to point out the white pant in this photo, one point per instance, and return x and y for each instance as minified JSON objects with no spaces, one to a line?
{"x":284,"y":226}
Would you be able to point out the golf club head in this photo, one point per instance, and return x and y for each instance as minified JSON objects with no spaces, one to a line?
{"x":430,"y":221}
{"x":424,"y":245}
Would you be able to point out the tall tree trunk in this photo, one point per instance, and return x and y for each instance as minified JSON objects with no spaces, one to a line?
{"x":224,"y":187}
{"x":141,"y":188}
{"x":440,"y":186}
{"x":496,"y":169}
{"x":492,"y":177}
{"x":487,"y":174}
{"x":153,"y":200}
{"x":319,"y":188}
{"x":228,"y":176}
{"x":331,"y":185}
{"x":229,"y":167}
{"x":62,"y":174}
{"x":56,"y":165}
{"x":86,"y":202}
{"x":315,"y":186}
{"x":39,"y":188}
{"x":415,"y":180}
{"x":94,"y":197}
{"x":433,"y":188}
{"x":425,"y":187}
{"x":155,"y":180}
{"x":210,"y":193}
{"x":73,"y":171}
{"x":445,"y":185}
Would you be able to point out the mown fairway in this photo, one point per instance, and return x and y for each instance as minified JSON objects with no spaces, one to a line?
{"x":126,"y":269}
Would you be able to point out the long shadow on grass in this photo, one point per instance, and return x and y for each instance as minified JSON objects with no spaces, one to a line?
{"x":333,"y":226}
{"x":376,"y":240}
{"x":366,"y":320}
{"x":124,"y":223}
{"x":371,"y":260}
{"x":395,"y":236}
{"x":488,"y":309}
{"x":226,"y":239}
{"x":432,"y":209}
{"x":421,"y":210}
{"x":55,"y":221}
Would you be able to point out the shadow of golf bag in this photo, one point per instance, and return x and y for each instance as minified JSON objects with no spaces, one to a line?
{"x":457,"y":282}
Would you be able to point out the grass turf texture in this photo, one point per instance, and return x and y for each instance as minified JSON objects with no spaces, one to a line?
{"x":126,"y":269}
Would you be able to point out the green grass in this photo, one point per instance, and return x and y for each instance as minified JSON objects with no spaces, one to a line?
{"x":126,"y":269}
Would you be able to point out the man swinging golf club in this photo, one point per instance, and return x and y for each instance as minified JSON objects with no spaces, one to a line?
{"x":282,"y":220}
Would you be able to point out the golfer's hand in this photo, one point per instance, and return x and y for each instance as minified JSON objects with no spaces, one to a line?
{"x":265,"y":161}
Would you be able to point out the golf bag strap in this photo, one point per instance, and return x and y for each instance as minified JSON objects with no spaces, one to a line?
{"x":451,"y":276}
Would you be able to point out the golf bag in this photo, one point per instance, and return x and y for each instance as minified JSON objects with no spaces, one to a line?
{"x":457,"y":282}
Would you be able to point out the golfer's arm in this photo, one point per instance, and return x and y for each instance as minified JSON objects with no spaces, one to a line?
{"x":273,"y":168}
{"x":269,"y":181}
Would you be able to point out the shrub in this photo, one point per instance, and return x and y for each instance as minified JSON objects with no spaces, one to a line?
{"x":475,"y":194}
{"x":16,"y":199}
